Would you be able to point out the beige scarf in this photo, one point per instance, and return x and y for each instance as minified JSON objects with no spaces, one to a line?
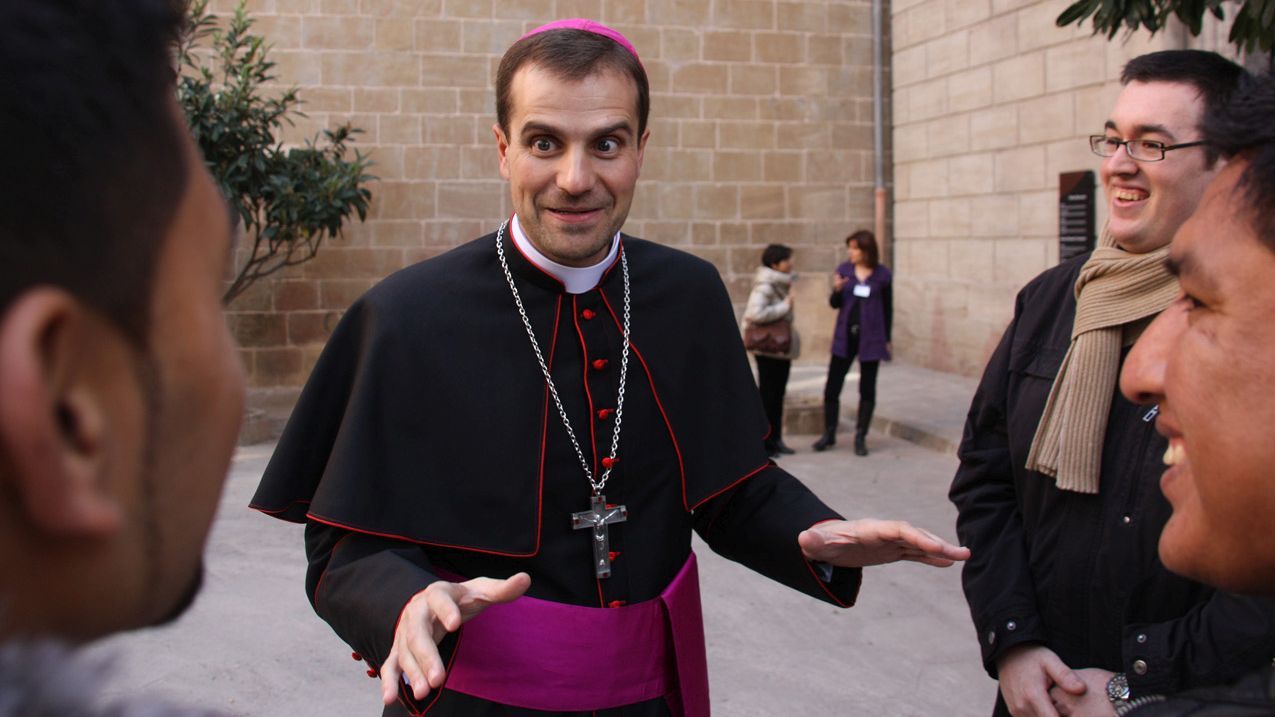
{"x":1115,"y":292}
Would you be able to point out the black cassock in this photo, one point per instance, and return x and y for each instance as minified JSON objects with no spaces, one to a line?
{"x":426,"y":440}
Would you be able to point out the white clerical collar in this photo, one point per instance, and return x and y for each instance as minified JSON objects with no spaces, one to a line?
{"x":577,"y":280}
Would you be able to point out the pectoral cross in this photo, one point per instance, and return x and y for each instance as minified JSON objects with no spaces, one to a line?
{"x":598,"y":517}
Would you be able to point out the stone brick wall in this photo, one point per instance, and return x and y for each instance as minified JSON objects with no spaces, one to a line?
{"x":761,"y":132}
{"x":991,"y":102}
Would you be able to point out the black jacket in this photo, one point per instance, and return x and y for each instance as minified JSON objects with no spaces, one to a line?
{"x":426,"y":440}
{"x":1081,"y":573}
{"x":1251,"y":696}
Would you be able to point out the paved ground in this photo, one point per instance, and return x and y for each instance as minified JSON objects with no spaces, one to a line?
{"x":252,"y":646}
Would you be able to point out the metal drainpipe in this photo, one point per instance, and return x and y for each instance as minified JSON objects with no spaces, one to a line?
{"x":878,"y":125}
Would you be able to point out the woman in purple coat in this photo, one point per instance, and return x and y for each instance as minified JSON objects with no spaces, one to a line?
{"x":861,"y":291}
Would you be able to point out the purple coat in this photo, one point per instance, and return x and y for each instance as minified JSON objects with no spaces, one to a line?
{"x":874,"y":314}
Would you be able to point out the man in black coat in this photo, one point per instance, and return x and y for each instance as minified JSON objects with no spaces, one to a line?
{"x":532,"y":425}
{"x":1057,"y":491}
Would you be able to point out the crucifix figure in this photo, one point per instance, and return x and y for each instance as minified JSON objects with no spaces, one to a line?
{"x":598,"y":517}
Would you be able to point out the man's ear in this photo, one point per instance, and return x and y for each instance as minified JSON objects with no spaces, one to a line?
{"x":502,"y":147}
{"x":53,"y":419}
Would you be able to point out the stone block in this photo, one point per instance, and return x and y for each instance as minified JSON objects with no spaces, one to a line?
{"x":680,"y":45}
{"x":717,"y":202}
{"x":399,"y":129}
{"x":844,"y":166}
{"x":744,"y":14}
{"x":826,"y":50}
{"x":909,"y":65}
{"x":376,"y":100}
{"x":296,"y":295}
{"x":929,"y":20}
{"x":282,"y":32}
{"x":1074,"y":64}
{"x":530,"y":11}
{"x":1046,"y":118}
{"x":479,"y":163}
{"x":994,"y":215}
{"x":780,"y":47}
{"x":728,"y":46}
{"x":673,"y":200}
{"x":995,"y":39}
{"x":433,"y":101}
{"x":1038,"y":212}
{"x":467,"y":8}
{"x":929,"y":179}
{"x":1020,"y":169}
{"x":1036,"y":28}
{"x":950,"y":218}
{"x":803,"y":80}
{"x":369,"y":69}
{"x":394,"y":35}
{"x":431,"y":163}
{"x":746,"y":135}
{"x":701,"y":78}
{"x":698,"y":134}
{"x":400,"y":8}
{"x":1018,"y":78}
{"x":793,"y":135}
{"x":969,"y":90}
{"x":456,"y":130}
{"x":581,"y":8}
{"x":402,"y":234}
{"x":296,"y":67}
{"x":438,"y":34}
{"x":909,"y":143}
{"x":1093,"y":106}
{"x":765,"y":201}
{"x":325,"y":99}
{"x":402,"y":200}
{"x":454,"y":71}
{"x":685,"y":13}
{"x":1072,"y":155}
{"x":294,"y":7}
{"x":478,"y":101}
{"x":805,"y":16}
{"x":994,"y":128}
{"x":948,"y":136}
{"x":971,"y":174}
{"x":786,"y":109}
{"x":469,"y":200}
{"x":947,"y":54}
{"x":963,"y":13}
{"x":340,"y":7}
{"x":929,"y":258}
{"x":819,"y":202}
{"x":388,"y":162}
{"x":622,"y":11}
{"x":311,"y":327}
{"x":737,"y":166}
{"x":1018,"y":261}
{"x":276,"y":367}
{"x":753,"y":79}
{"x":1004,"y":6}
{"x":971,"y":259}
{"x":320,"y":32}
{"x":489,"y":37}
{"x":928,"y":100}
{"x":257,"y":328}
{"x":782,"y":166}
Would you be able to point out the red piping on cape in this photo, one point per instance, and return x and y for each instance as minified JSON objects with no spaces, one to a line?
{"x":267,"y":511}
{"x":822,"y":585}
{"x":437,"y":693}
{"x":415,"y":541}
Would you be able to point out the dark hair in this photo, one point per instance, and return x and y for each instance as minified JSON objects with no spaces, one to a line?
{"x":775,"y":253}
{"x":867,"y":244}
{"x":571,"y":55}
{"x":93,"y":165}
{"x":1246,"y":129}
{"x":1212,"y":75}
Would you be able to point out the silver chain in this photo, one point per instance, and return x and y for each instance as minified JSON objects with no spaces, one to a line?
{"x":544,"y":368}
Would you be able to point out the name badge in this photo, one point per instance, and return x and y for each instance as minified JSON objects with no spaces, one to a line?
{"x":862,"y":290}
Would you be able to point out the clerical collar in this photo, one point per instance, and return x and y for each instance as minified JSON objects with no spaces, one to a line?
{"x":577,"y":280}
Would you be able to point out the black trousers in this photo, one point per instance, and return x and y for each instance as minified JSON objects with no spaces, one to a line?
{"x":772,"y":381}
{"x":838,"y":367}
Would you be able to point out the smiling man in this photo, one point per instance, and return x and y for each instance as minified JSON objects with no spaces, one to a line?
{"x":1057,"y":491}
{"x":1208,"y":362}
{"x":548,"y":412}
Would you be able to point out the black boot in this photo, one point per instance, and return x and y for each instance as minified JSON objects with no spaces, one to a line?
{"x":861,"y":428}
{"x":831,"y":414}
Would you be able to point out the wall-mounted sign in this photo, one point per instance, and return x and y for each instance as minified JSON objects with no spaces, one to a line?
{"x":1076,"y":221}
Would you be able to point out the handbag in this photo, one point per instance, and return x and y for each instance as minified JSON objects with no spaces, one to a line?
{"x":772,"y":338}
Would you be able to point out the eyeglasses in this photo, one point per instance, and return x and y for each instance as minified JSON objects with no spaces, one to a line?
{"x":1143,"y":150}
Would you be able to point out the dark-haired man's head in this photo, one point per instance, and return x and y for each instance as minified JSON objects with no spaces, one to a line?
{"x":1164,"y":98}
{"x":120,"y":390}
{"x":1209,"y":361}
{"x":572,"y":103}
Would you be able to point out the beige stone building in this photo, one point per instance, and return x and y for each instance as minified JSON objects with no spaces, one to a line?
{"x":762,"y":131}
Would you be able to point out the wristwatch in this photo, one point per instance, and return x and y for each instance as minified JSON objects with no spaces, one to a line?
{"x":1118,"y":689}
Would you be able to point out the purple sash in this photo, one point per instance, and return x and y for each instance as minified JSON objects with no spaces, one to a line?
{"x":550,"y":656}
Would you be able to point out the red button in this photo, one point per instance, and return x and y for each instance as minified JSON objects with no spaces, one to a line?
{"x":615,"y":603}
{"x":605,"y":413}
{"x":371,"y":673}
{"x":613,"y":555}
{"x":356,"y":657}
{"x":609,"y":462}
{"x":588,"y":314}
{"x":599,"y":364}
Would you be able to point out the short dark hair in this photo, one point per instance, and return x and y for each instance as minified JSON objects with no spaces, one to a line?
{"x":775,"y":253}
{"x":572,"y":55}
{"x":1213,"y":76}
{"x":93,"y":162}
{"x":867,"y":244}
{"x":1246,"y":128}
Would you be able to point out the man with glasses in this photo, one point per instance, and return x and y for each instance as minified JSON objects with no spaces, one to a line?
{"x":1057,"y":492}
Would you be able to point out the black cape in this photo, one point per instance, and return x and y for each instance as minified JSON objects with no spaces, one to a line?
{"x":426,"y":439}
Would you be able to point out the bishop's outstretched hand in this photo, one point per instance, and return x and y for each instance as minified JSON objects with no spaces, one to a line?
{"x":869,"y":541}
{"x":427,"y":618}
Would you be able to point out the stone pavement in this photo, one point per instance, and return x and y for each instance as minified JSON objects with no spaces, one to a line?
{"x":252,"y":645}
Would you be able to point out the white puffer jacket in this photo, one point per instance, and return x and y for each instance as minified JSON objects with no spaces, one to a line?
{"x":769,"y":301}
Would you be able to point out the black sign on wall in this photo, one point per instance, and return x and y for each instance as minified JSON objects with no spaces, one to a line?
{"x":1076,"y":230}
